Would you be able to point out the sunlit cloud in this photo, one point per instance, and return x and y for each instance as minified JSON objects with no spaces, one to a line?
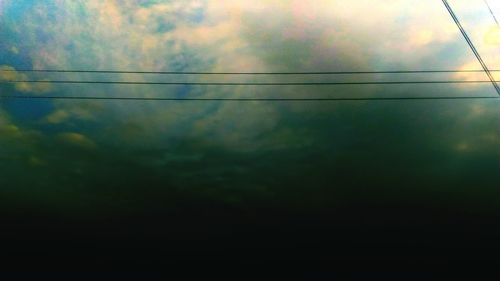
{"x":12,"y":132}
{"x":9,"y":74}
{"x":7,"y":129}
{"x":76,"y":139}
{"x":492,"y":37}
{"x":58,"y":116}
{"x":64,"y":112}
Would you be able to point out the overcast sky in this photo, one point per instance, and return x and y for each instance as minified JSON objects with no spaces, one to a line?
{"x":59,"y":154}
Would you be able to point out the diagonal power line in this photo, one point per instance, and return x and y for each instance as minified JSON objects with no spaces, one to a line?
{"x":471,"y":45}
{"x":491,"y":12}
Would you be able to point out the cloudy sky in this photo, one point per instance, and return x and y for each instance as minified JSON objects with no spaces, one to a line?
{"x":74,"y":155}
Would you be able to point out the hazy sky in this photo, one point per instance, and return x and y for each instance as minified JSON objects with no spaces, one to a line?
{"x":123,"y":154}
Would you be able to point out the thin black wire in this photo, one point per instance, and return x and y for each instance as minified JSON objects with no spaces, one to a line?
{"x":242,"y":73}
{"x":244,"y":99}
{"x":491,"y":12}
{"x":250,"y":83}
{"x":471,"y":45}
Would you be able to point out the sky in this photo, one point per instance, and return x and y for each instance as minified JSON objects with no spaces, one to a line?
{"x":86,"y":156}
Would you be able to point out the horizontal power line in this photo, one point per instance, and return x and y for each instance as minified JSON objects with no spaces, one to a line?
{"x":242,"y":73}
{"x":246,"y":99}
{"x":249,"y":83}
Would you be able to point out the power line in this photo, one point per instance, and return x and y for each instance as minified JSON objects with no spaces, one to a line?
{"x":241,"y":73}
{"x":250,"y":83}
{"x":245,"y":99}
{"x":471,"y":45}
{"x":491,"y":12}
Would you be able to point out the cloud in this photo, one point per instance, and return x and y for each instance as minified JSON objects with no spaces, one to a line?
{"x":18,"y":145}
{"x":8,"y":74}
{"x":36,"y":161}
{"x":7,"y":129}
{"x":251,"y":145}
{"x":58,"y":116}
{"x":14,"y":50}
{"x":492,"y":37}
{"x":10,"y":131}
{"x":81,"y":111}
{"x":240,"y":128}
{"x":228,"y":36}
{"x":231,"y":36}
{"x":76,"y":139}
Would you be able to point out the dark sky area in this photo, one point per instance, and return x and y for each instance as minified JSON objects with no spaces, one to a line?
{"x":268,"y":170}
